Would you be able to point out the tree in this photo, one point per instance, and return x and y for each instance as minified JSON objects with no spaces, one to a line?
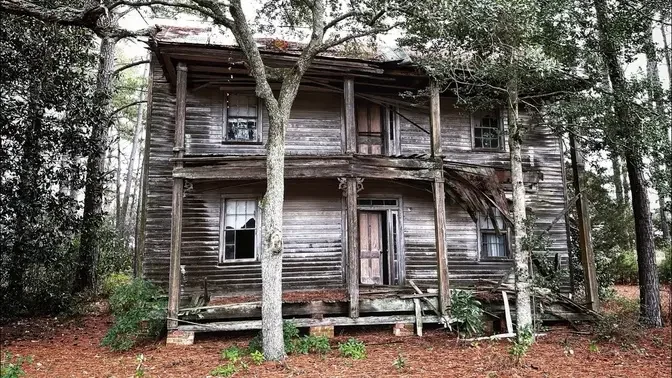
{"x":631,"y":130}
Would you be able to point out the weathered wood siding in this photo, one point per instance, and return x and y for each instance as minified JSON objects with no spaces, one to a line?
{"x":315,"y":125}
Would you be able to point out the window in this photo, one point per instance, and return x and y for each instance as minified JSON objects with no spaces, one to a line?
{"x":369,"y":128}
{"x":242,"y":118}
{"x":488,"y":132}
{"x":494,"y":242}
{"x":238,"y":239}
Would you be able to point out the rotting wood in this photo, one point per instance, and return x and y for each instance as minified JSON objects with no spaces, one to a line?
{"x":507,"y":312}
{"x":418,"y":316}
{"x":178,"y":199}
{"x":242,"y":325}
{"x":583,"y":218}
{"x":353,"y":246}
{"x":350,"y":126}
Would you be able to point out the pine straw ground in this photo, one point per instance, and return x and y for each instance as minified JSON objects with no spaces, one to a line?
{"x":70,"y":349}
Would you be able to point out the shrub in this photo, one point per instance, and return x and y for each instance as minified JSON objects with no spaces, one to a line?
{"x":224,"y":370}
{"x":312,"y":344}
{"x":139,"y":311}
{"x":521,"y":345}
{"x":257,"y":357}
{"x":665,"y":268}
{"x":353,"y":348}
{"x":113,"y":281}
{"x":622,"y":324}
{"x":623,"y":267}
{"x":232,"y":353}
{"x":467,"y":312}
{"x":290,"y":335}
{"x":11,"y":366}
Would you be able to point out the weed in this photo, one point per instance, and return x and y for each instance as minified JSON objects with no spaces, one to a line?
{"x":140,"y":369}
{"x":593,"y":347}
{"x":224,"y":370}
{"x":353,"y":348}
{"x":232,"y":354}
{"x":312,"y":344}
{"x":467,"y":312}
{"x":257,"y":357}
{"x":11,"y":366}
{"x":399,"y":362}
{"x":622,"y":325}
{"x":521,"y":345}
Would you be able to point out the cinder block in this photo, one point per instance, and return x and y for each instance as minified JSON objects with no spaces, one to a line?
{"x":403,"y":329}
{"x":177,"y":337}
{"x":327,"y":331}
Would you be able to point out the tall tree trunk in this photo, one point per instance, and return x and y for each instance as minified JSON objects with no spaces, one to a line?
{"x":137,"y":131}
{"x":617,"y":177}
{"x":117,"y":188}
{"x":648,"y":278}
{"x":95,"y":166}
{"x":520,"y":255}
{"x":626,"y":184}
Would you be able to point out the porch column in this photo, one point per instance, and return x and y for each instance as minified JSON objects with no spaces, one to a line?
{"x":585,"y":242}
{"x":178,"y":198}
{"x":353,"y":246}
{"x":439,"y":201}
{"x":350,"y":126}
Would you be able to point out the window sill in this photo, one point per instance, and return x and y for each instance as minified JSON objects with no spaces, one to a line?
{"x":240,"y":142}
{"x":237,"y":261}
{"x":480,"y":149}
{"x":495,"y":259}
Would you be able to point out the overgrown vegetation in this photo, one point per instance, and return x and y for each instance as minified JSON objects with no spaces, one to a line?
{"x":294,"y":343}
{"x":621,"y":323}
{"x":467,"y":313}
{"x":521,"y":345}
{"x":139,"y":310}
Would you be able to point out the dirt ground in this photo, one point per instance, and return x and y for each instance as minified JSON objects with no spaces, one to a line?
{"x":70,"y":348}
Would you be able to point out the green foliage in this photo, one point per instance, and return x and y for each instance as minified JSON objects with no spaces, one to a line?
{"x":255,"y":344}
{"x":140,"y":369}
{"x":232,"y":354}
{"x":224,"y":370}
{"x":623,"y":267}
{"x":11,"y":366}
{"x":665,"y":267}
{"x":312,"y":344}
{"x":399,"y":362}
{"x":113,"y":282}
{"x":289,"y":334}
{"x":621,"y":324}
{"x":257,"y":357}
{"x":593,"y":347}
{"x":353,"y":349}
{"x":520,"y":346}
{"x":139,"y":311}
{"x":467,"y":312}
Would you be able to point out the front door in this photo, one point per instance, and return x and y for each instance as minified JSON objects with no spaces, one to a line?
{"x":370,"y":247}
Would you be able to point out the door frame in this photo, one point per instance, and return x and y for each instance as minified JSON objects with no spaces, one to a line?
{"x":392,"y":245}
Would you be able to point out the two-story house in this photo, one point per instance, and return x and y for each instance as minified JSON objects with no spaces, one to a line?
{"x":382,"y":193}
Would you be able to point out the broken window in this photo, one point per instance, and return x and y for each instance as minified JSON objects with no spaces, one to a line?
{"x":239,"y":230}
{"x":488,"y":132}
{"x":242,"y":118}
{"x":493,"y":236}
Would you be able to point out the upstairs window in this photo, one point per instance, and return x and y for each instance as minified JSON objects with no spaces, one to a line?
{"x":369,"y":128}
{"x":488,"y":132}
{"x":239,"y":230}
{"x":242,"y":118}
{"x":493,"y":237}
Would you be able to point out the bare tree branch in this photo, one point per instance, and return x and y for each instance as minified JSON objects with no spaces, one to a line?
{"x":129,"y":65}
{"x":119,"y":110}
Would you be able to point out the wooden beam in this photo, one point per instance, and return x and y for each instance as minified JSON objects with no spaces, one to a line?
{"x":350,"y":126}
{"x":435,"y":119}
{"x":178,"y":198}
{"x":583,"y":219}
{"x":440,"y":239}
{"x":353,"y":246}
{"x":307,"y":322}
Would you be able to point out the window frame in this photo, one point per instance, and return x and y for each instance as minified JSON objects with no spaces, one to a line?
{"x":476,"y":118}
{"x":225,"y":120}
{"x":504,"y":231}
{"x":222,"y":230}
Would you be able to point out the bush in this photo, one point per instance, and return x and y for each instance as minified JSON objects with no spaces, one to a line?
{"x":312,"y":344}
{"x":467,"y":312}
{"x":665,"y":268}
{"x":114,"y":281}
{"x":623,"y":267}
{"x":622,"y":324}
{"x":11,"y":366}
{"x":353,"y":348}
{"x":139,"y":311}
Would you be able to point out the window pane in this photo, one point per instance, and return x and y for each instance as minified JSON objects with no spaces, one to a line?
{"x":229,"y":237}
{"x":493,"y":245}
{"x":229,"y":252}
{"x":230,"y":222}
{"x":245,"y":244}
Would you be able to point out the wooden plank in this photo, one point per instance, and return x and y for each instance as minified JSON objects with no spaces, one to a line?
{"x":353,"y":246}
{"x":440,"y":240}
{"x":507,"y":312}
{"x":350,"y":124}
{"x":435,"y":119}
{"x":418,"y":316}
{"x":307,"y":322}
{"x":583,"y":218}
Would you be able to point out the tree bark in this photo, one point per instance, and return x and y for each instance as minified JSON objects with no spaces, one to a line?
{"x":520,"y":256}
{"x":93,"y":192}
{"x":617,"y":177}
{"x":650,"y":313}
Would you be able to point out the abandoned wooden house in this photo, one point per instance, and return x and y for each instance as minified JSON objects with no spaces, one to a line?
{"x":390,"y":202}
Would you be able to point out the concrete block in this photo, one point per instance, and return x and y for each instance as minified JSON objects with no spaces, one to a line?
{"x":177,"y":337}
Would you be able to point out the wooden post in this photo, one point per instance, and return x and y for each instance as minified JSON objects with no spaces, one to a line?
{"x":585,"y":242}
{"x":353,"y":246}
{"x":439,"y":201}
{"x":435,"y":120}
{"x":350,"y":125}
{"x":178,"y":198}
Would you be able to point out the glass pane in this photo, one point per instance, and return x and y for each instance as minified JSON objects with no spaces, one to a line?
{"x":240,"y":207}
{"x":230,"y":252}
{"x":230,"y":222}
{"x":229,"y":237}
{"x":245,"y":244}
